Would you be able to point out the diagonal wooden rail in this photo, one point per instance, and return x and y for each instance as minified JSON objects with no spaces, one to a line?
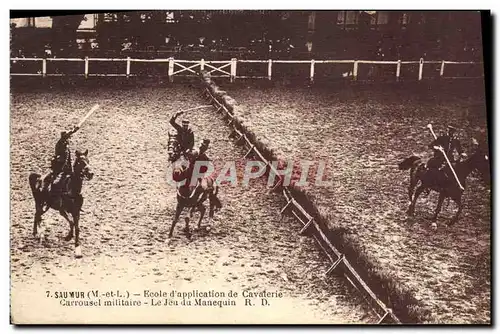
{"x":339,"y":261}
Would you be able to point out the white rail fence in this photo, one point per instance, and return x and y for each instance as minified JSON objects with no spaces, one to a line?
{"x":133,"y":67}
{"x":337,"y":259}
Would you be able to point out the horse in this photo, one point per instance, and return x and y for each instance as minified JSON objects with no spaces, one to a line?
{"x":443,"y":181}
{"x":68,"y":201}
{"x":209,"y":189}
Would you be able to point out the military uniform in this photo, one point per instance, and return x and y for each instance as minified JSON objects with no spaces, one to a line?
{"x":61,"y":162}
{"x":450,"y":144}
{"x":185,"y":136}
{"x":200,"y":155}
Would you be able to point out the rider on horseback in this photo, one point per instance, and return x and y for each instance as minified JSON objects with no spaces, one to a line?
{"x":451,"y":144}
{"x":200,"y":155}
{"x":61,"y":162}
{"x":185,"y":135}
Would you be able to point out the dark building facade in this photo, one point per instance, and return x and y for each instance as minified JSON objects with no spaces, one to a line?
{"x":390,"y":35}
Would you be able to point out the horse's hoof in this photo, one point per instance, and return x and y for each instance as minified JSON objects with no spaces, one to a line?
{"x":78,"y":252}
{"x":68,"y":237}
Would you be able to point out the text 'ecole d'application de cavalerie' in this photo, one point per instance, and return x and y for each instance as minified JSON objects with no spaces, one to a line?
{"x":124,"y":298}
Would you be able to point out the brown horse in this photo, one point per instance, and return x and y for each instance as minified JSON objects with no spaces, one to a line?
{"x":68,"y":199}
{"x":441,"y":181}
{"x":182,"y":172}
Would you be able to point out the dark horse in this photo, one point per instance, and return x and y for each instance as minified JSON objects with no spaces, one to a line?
{"x":442,"y":181}
{"x":68,"y":200}
{"x":182,"y":172}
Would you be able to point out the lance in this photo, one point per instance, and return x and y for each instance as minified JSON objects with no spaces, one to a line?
{"x":200,"y":107}
{"x":94,"y":108}
{"x":429,"y":126}
{"x":449,"y":164}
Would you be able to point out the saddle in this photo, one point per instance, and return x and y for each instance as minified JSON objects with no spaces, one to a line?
{"x":59,"y":185}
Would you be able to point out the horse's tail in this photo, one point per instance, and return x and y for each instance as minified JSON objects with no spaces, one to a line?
{"x":213,"y":194}
{"x":410,"y":162}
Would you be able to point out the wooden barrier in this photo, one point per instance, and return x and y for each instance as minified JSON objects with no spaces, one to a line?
{"x":336,"y":257}
{"x":219,"y":68}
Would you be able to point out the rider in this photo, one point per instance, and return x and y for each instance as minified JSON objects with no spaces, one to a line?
{"x":200,"y":155}
{"x":450,"y":144}
{"x":185,"y":135}
{"x":61,"y":162}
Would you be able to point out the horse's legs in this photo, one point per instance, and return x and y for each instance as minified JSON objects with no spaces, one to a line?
{"x":211,"y":212}
{"x":38,"y":218}
{"x":411,"y":208}
{"x":412,"y":185}
{"x":178,"y":210}
{"x":202,"y":210}
{"x":78,"y":203}
{"x":438,"y":207}
{"x":186,"y":228}
{"x":459,"y":211}
{"x":76,"y":225}
{"x":71,"y":224}
{"x":76,"y":220}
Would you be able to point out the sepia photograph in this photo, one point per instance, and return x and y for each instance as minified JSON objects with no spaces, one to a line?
{"x":248,"y":167}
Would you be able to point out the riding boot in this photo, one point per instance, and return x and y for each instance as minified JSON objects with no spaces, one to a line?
{"x":57,"y":187}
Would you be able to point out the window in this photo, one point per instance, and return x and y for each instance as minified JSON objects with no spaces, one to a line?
{"x":43,"y":22}
{"x":378,"y":18}
{"x":382,"y":18}
{"x":352,"y":17}
{"x":347,"y":19}
{"x":110,"y":17}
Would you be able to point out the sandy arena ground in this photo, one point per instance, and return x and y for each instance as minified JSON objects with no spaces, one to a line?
{"x":362,"y":134}
{"x":128,"y":210}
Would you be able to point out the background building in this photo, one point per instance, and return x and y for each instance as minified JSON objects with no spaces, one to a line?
{"x":451,"y":35}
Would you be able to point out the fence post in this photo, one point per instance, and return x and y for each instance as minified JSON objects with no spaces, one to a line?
{"x":202,"y":64}
{"x":86,"y":67}
{"x":398,"y":70}
{"x":171,"y":69}
{"x":421,"y":69}
{"x":355,"y":71}
{"x":233,"y":69}
{"x":441,"y":72}
{"x":128,"y":67}
{"x":270,"y":69}
{"x":44,"y":67}
{"x":312,"y":71}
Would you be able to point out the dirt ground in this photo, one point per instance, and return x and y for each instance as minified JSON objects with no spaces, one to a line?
{"x":128,"y":210}
{"x":362,"y":134}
